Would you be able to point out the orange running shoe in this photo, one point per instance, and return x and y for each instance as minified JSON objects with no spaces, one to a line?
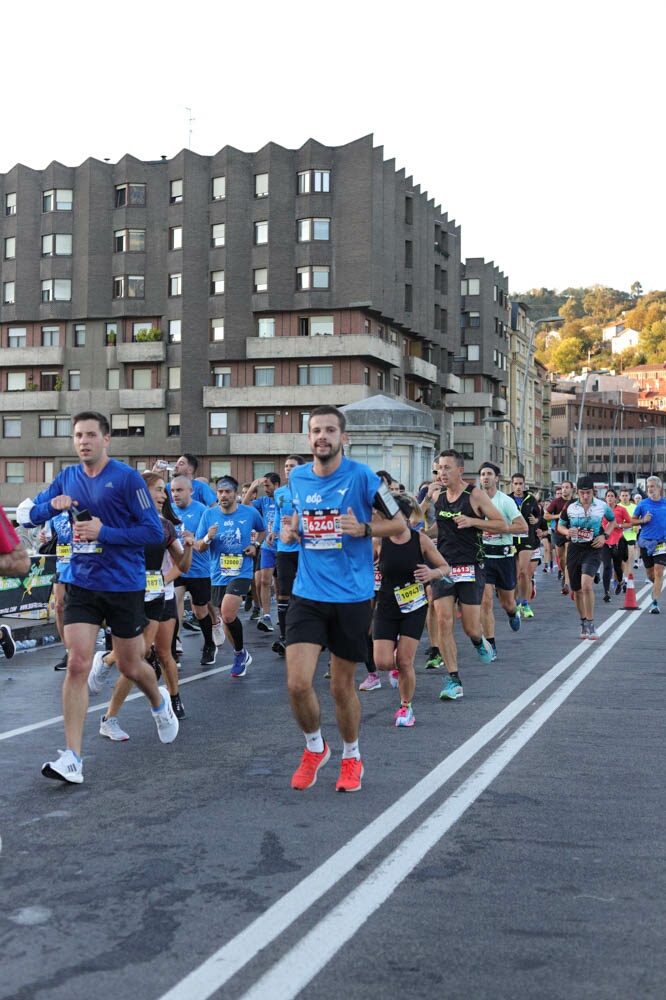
{"x":351,"y":772}
{"x":305,"y":774}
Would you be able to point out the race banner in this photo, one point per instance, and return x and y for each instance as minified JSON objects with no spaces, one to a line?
{"x":30,"y":592}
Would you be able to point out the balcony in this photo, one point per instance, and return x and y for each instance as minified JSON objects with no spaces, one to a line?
{"x":499,"y":404}
{"x":342,"y":346}
{"x":451,"y":383}
{"x":150,"y":350}
{"x":268,"y":444}
{"x":283,"y":396}
{"x":420,"y":369}
{"x":33,"y":357}
{"x":141,"y":399}
{"x":31,"y":401}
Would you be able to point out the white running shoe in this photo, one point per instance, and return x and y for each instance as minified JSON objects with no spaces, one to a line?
{"x":165,"y":719}
{"x":99,"y":672}
{"x":109,"y":726}
{"x":66,"y":768}
{"x":218,"y":633}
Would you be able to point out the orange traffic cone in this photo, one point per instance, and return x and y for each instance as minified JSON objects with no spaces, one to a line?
{"x":630,"y":602}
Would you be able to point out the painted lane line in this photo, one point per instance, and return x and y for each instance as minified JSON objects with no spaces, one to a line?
{"x":231,"y":957}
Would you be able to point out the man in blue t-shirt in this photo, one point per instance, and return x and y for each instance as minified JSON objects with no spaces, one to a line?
{"x":333,"y":500}
{"x":286,"y":560}
{"x":187,"y":465}
{"x":113,"y":518}
{"x":267,"y":507}
{"x":650,"y":514}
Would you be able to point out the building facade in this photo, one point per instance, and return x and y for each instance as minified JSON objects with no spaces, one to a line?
{"x":208,"y":303}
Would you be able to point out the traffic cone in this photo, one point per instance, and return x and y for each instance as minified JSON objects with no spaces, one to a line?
{"x":630,"y":602}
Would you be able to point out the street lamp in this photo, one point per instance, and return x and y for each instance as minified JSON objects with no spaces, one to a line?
{"x":611,"y":462}
{"x":508,"y":420}
{"x":580,"y":420}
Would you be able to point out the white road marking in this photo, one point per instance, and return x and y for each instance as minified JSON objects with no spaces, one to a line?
{"x":291,"y":973}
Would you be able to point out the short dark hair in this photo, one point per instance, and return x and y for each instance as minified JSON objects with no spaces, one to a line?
{"x":489,"y":465}
{"x":568,"y":481}
{"x":192,"y":460}
{"x":518,"y":475}
{"x":326,"y":411}
{"x":92,"y":415}
{"x":273,"y":477}
{"x":452,"y":453}
{"x":295,"y":458}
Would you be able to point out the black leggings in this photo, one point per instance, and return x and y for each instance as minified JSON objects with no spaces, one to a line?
{"x":612,"y":557}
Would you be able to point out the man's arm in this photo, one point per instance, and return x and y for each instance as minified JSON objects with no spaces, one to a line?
{"x":15,"y":563}
{"x":489,"y":518}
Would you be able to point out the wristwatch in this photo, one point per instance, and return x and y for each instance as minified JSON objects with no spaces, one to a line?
{"x":368,"y":529}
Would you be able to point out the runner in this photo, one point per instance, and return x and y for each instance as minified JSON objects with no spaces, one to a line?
{"x":614,"y":552}
{"x":463,"y":513}
{"x":263,"y":577}
{"x":114,"y":518}
{"x":286,"y":560}
{"x":581,"y":521}
{"x":526,"y":544}
{"x":650,"y":514}
{"x":630,"y":535}
{"x":551,"y":514}
{"x":406,"y":562}
{"x":333,"y":499}
{"x":500,"y":562}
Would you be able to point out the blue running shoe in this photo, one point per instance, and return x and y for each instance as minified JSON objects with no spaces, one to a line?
{"x":514,"y":622}
{"x":451,"y":691}
{"x":485,"y":651}
{"x":241,"y":662}
{"x":494,"y":656}
{"x":654,"y":608}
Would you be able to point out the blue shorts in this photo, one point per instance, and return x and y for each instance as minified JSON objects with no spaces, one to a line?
{"x":268,"y":558}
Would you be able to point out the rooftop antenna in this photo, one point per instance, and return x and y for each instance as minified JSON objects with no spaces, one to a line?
{"x":190,"y":119}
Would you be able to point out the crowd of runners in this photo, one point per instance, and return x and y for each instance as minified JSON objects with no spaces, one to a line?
{"x":356,"y":568}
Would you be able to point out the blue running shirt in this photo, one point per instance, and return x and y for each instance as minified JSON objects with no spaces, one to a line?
{"x":333,"y":567}
{"x":189,"y":521}
{"x":284,"y":508}
{"x":234,"y":533}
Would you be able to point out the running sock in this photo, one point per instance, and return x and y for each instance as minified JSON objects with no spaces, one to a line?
{"x":512,"y":614}
{"x":236,"y":632}
{"x":159,"y":708}
{"x":314,"y":742}
{"x":491,"y":641}
{"x":282,"y":617}
{"x":477,"y":642}
{"x":351,"y":750}
{"x":455,"y":676}
{"x":206,"y":626}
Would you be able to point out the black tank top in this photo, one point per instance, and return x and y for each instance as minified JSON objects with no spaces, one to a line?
{"x":459,"y":546}
{"x":397,"y":563}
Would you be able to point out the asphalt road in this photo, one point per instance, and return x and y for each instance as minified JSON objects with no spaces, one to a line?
{"x":510,"y":845}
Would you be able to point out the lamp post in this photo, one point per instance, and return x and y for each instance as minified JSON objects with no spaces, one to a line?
{"x":580,"y":421}
{"x":508,"y":420}
{"x":611,"y":459}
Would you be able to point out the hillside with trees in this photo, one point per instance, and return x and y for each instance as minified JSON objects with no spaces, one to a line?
{"x":578,"y":341}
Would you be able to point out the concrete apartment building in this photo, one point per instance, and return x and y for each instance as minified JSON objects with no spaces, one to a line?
{"x":208,"y":303}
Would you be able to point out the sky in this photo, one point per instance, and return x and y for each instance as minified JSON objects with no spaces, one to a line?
{"x":537,"y":127}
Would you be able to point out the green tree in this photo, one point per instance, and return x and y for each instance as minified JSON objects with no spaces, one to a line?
{"x":636,"y":290}
{"x":572,"y":309}
{"x":569,"y":355}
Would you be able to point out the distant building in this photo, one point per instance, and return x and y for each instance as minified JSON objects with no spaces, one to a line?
{"x":651,"y":381}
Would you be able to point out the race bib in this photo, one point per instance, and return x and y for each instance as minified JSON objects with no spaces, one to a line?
{"x":321,"y":529}
{"x":463,"y":574}
{"x":492,"y":539}
{"x":378,"y":579}
{"x":660,"y":549}
{"x":230,"y":563}
{"x":585,"y":534}
{"x":410,"y":597}
{"x":86,"y":548}
{"x":63,"y":551}
{"x":154,"y":585}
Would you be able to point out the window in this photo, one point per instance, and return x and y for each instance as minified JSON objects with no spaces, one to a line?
{"x":321,"y":326}
{"x":8,"y":292}
{"x":267,"y":326}
{"x":130,"y":194}
{"x":17,"y":336}
{"x":314,"y":180}
{"x":260,"y":232}
{"x":113,"y":378}
{"x":142,"y":378}
{"x":313,"y":229}
{"x":10,"y":247}
{"x":74,"y":380}
{"x":466,"y":450}
{"x":175,"y":330}
{"x":48,"y":471}
{"x":14,"y":472}
{"x":265,"y":423}
{"x":261,"y":185}
{"x":221,"y":377}
{"x":260,"y":469}
{"x":217,"y":282}
{"x":50,"y":336}
{"x":218,"y":469}
{"x":219,"y":191}
{"x":55,"y":427}
{"x":313,"y":276}
{"x":260,"y":279}
{"x":409,"y":210}
{"x":173,"y":378}
{"x":380,"y":381}
{"x":136,"y":286}
{"x":129,"y":240}
{"x":470,"y":286}
{"x":57,"y":245}
{"x":315,"y":374}
{"x":409,"y":253}
{"x":111,"y":333}
{"x":175,"y":284}
{"x":218,"y":423}
{"x":217,"y":234}
{"x":48,"y":381}
{"x":409,"y":298}
{"x":217,"y":329}
{"x":176,"y":238}
{"x":58,"y":200}
{"x":79,"y":335}
{"x":16,"y":381}
{"x":128,"y":424}
{"x":264,"y":376}
{"x":473,"y":352}
{"x":463,"y":416}
{"x":176,"y":192}
{"x":10,"y":203}
{"x":395,"y":379}
{"x":11,"y":427}
{"x":305,"y":420}
{"x":366,"y":376}
{"x":474,"y":319}
{"x":173,"y":424}
{"x":57,"y":290}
